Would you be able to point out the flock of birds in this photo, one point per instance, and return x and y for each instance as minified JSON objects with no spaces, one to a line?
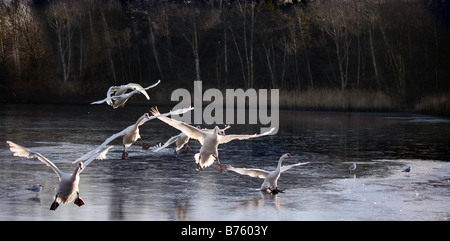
{"x":68,"y":190}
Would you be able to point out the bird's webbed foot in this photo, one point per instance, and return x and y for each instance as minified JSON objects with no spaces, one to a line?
{"x":221,"y":168}
{"x":276,"y":190}
{"x":198,"y":167}
{"x":54,"y":206}
{"x":79,"y":202}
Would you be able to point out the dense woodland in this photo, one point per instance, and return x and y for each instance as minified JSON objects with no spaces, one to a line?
{"x":75,"y":49}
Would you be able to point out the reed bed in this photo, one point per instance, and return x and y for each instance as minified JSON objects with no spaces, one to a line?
{"x":335,"y":99}
{"x":438,"y":104}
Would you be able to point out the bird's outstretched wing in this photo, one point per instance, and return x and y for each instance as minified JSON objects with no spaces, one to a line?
{"x":102,"y":101}
{"x":138,"y":88}
{"x":86,"y":156}
{"x":253,"y":172}
{"x":228,"y":138}
{"x":144,"y":92}
{"x":285,"y":168}
{"x":125,"y":97}
{"x":187,"y":129}
{"x":173,"y":139}
{"x":98,"y":156}
{"x":174,"y":112}
{"x":27,"y":153}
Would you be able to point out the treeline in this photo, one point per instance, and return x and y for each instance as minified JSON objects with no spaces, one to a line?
{"x":74,"y":48}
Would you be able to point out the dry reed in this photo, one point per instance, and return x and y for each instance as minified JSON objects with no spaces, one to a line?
{"x":438,"y":104}
{"x":334,"y":99}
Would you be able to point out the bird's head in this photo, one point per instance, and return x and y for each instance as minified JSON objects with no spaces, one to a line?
{"x":219,"y":131}
{"x":80,"y":167}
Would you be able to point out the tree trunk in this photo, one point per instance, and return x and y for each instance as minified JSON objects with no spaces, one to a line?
{"x":374,"y":62}
{"x":194,"y":44}
{"x":225,"y":50}
{"x":155,"y":52}
{"x":108,"y":47}
{"x":269,"y":65}
{"x":239,"y":55}
{"x":195,"y":49}
{"x":305,"y":48}
{"x":61,"y":23}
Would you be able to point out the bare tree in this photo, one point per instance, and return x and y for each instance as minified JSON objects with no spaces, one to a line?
{"x":195,"y":23}
{"x":193,"y":40}
{"x":370,"y":14}
{"x":3,"y":36}
{"x":61,"y":21}
{"x":302,"y":31}
{"x":336,"y":20}
{"x":109,"y":43}
{"x":153,"y":43}
{"x":11,"y":22}
{"x":223,"y":13}
{"x":395,"y":59}
{"x":247,"y":11}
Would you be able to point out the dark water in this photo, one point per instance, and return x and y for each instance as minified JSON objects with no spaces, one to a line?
{"x":161,"y":186}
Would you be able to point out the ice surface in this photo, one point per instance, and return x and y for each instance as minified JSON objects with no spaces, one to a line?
{"x":162,"y":186}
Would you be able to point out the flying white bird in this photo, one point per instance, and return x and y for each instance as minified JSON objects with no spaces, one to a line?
{"x":181,"y":140}
{"x":117,"y":97}
{"x":67,"y":189}
{"x":270,"y":178}
{"x":209,"y":141}
{"x":131,"y":134}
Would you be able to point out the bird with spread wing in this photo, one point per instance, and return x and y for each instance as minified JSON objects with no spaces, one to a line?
{"x":67,"y":189}
{"x":209,"y":141}
{"x":116,"y":96}
{"x":270,"y":178}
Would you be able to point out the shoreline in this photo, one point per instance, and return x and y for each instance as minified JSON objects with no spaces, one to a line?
{"x":435,"y":106}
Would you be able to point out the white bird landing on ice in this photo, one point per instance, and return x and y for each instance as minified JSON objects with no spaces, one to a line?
{"x":209,"y":141}
{"x":270,"y":178}
{"x":67,"y":190}
{"x":117,"y":97}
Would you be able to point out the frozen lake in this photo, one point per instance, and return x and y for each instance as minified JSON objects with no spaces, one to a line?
{"x":161,"y":186}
